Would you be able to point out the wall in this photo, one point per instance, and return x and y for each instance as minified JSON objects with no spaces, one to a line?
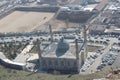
{"x":34,"y":9}
{"x":12,"y":66}
{"x":63,"y":65}
{"x":38,"y":9}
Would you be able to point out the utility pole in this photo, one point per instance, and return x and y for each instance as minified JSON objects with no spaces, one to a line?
{"x":67,"y":23}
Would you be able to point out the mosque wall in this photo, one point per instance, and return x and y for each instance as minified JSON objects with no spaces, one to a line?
{"x":59,"y":64}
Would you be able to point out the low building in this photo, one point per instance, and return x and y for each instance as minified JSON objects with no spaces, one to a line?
{"x":97,"y":29}
{"x":80,"y":16}
{"x":101,"y":5}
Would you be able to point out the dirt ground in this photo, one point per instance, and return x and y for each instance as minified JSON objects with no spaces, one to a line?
{"x":20,"y":21}
{"x":57,"y":25}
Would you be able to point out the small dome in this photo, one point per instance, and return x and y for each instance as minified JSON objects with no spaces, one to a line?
{"x":62,"y":47}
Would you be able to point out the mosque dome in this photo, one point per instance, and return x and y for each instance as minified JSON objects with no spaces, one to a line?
{"x":62,"y":47}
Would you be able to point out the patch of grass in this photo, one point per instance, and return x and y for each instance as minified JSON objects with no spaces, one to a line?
{"x":11,"y":49}
{"x":34,"y":49}
{"x":93,"y":48}
{"x":10,"y":74}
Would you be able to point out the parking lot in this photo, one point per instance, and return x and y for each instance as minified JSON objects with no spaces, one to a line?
{"x":107,"y":56}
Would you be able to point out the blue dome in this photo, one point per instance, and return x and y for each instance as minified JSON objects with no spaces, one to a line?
{"x":62,"y":47}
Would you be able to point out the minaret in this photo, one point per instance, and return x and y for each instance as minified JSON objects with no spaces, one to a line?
{"x":85,"y":43}
{"x":77,"y":54}
{"x":76,"y":46}
{"x":82,"y":59}
{"x":51,"y":33}
{"x":39,"y":51}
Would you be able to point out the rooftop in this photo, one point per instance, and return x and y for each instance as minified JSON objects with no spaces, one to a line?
{"x":101,"y":5}
{"x":52,"y":51}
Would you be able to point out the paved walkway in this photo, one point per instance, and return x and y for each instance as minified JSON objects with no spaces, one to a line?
{"x":2,"y":56}
{"x":24,"y":55}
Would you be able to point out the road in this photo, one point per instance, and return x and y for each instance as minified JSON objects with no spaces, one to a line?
{"x":34,"y":37}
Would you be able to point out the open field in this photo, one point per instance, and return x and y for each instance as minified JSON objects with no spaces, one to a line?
{"x":57,"y":25}
{"x":21,"y":21}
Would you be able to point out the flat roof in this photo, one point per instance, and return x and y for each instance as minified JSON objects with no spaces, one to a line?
{"x":90,"y":7}
{"x":51,"y":51}
{"x":112,"y":30}
{"x":101,"y":5}
{"x":68,"y":54}
{"x":33,"y":57}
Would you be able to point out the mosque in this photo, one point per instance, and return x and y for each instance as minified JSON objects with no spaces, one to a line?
{"x":61,"y":56}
